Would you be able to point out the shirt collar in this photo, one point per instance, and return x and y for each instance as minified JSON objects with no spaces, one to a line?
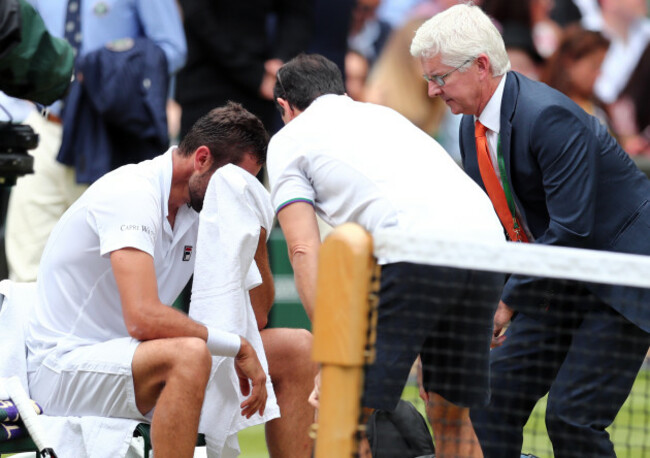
{"x":490,"y":117}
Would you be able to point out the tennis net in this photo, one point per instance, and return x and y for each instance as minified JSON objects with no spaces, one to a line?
{"x":575,"y":334}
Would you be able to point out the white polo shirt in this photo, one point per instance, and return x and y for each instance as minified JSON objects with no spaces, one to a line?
{"x":79,"y":303}
{"x":365,"y":163}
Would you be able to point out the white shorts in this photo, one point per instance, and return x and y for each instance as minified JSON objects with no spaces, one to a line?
{"x":93,"y":380}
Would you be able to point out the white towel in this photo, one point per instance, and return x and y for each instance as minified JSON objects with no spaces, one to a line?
{"x":236,"y":205}
{"x":15,"y":308}
{"x":78,"y":437}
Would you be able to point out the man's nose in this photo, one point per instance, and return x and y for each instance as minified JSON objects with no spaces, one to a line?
{"x":433,"y":89}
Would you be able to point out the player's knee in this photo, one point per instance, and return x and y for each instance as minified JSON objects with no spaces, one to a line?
{"x":289,"y":355}
{"x":301,"y":360}
{"x":302,"y":340}
{"x":287,"y":345}
{"x":193,"y":359}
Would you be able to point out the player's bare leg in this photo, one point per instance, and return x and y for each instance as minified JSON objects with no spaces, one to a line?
{"x":452,"y":429}
{"x":292,"y":372}
{"x":171,"y":374}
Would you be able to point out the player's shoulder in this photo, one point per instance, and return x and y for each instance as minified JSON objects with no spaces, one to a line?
{"x":133,"y":184}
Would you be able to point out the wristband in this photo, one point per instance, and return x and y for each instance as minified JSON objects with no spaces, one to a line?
{"x":222,"y":343}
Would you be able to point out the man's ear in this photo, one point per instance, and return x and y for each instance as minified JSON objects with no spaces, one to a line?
{"x":484,"y":64}
{"x":290,"y":111}
{"x":203,"y":159}
{"x":286,"y":106}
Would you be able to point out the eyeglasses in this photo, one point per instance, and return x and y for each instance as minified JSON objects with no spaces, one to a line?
{"x":440,"y":79}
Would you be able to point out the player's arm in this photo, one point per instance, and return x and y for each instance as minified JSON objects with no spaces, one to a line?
{"x":300,"y":228}
{"x":262,"y":296}
{"x":145,"y":316}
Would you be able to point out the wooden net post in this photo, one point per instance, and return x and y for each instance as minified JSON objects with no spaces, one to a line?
{"x":347,"y":273}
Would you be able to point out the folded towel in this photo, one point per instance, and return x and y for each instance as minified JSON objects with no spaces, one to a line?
{"x":236,"y":206}
{"x":13,"y":321}
{"x":79,"y":437}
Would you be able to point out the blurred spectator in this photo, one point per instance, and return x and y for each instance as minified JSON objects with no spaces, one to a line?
{"x":623,"y":82}
{"x":591,"y":17}
{"x":38,"y":200}
{"x":574,"y":67}
{"x":429,"y":8}
{"x":331,"y":26}
{"x":368,"y":33}
{"x":565,"y":12}
{"x":397,"y":12}
{"x":535,"y":14}
{"x":233,"y":54}
{"x":631,"y":112}
{"x":356,"y":74}
{"x":625,"y":24}
{"x":396,"y":81}
{"x":521,"y":50}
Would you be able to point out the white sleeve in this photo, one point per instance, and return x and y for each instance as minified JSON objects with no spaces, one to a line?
{"x":288,"y":174}
{"x":128,"y":215}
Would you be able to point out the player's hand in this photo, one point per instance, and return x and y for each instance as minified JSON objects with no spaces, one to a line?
{"x":502,"y":317}
{"x":250,"y":372}
{"x":314,"y":397}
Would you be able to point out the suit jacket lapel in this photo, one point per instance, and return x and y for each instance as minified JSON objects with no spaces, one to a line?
{"x":510,"y":94}
{"x":508,"y":105}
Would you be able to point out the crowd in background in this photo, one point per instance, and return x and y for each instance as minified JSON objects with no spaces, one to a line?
{"x":595,"y":51}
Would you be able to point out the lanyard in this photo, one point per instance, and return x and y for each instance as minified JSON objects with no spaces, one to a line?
{"x":506,"y":186}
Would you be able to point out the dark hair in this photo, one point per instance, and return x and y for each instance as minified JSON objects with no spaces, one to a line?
{"x":575,"y":44}
{"x":229,"y":132}
{"x":305,"y":78}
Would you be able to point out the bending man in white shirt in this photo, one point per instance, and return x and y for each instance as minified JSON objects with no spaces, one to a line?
{"x":357,"y":162}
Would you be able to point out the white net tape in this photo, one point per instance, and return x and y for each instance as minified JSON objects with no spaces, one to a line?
{"x":518,"y":258}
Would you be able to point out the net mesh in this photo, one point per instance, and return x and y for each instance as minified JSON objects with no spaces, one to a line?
{"x":572,"y":377}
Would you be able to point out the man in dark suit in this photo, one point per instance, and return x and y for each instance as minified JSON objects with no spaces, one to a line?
{"x":234,"y":50}
{"x":569,"y":184}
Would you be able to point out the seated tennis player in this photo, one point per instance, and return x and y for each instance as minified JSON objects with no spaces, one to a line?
{"x":348,"y":161}
{"x":103,"y":341}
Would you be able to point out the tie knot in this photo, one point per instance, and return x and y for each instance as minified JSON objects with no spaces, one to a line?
{"x":479,"y":130}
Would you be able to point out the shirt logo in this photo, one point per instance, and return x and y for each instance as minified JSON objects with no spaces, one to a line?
{"x":187,"y":253}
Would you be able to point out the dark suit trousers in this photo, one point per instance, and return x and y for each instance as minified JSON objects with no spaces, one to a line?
{"x":581,"y":352}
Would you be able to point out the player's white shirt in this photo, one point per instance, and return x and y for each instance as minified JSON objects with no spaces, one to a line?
{"x":365,"y":163}
{"x":79,"y":300}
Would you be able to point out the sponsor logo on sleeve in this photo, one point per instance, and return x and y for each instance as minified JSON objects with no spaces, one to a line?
{"x":138,"y":227}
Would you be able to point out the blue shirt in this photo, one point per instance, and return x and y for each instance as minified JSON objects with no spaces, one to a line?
{"x":104,"y":21}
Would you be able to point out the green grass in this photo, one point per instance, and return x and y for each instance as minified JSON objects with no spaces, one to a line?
{"x":630,"y":431}
{"x":252,"y":443}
